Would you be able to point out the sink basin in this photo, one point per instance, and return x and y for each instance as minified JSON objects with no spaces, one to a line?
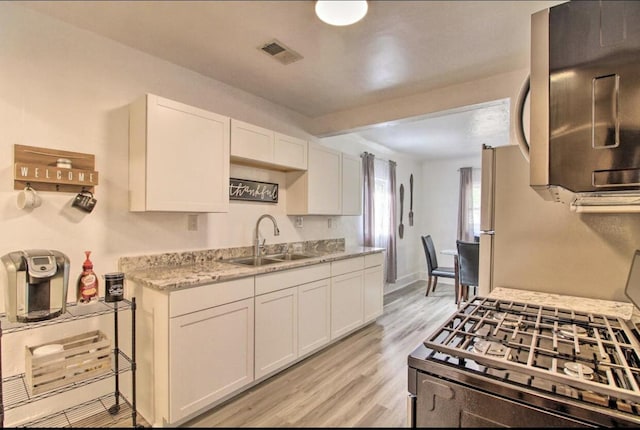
{"x":289,"y":256}
{"x":268,"y":259}
{"x":254,"y":261}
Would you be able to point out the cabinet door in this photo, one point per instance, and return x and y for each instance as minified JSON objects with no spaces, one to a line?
{"x":346,"y":303}
{"x":373,"y":293}
{"x":178,"y":157}
{"x":325,"y":181}
{"x":276,"y":330}
{"x":210,"y":356}
{"x":290,"y":152}
{"x":251,"y":142}
{"x":351,"y":185}
{"x":314,"y":310}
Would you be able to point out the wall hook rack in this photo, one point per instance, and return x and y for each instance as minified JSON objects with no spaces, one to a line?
{"x":50,"y":169}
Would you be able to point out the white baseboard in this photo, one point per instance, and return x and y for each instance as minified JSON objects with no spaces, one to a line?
{"x":410,"y":279}
{"x":403,"y":282}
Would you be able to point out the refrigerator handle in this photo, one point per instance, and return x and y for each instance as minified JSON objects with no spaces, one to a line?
{"x":487,"y":189}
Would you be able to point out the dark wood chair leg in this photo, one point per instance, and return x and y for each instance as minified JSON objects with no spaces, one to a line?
{"x":456,"y":278}
{"x":435,"y":281}
{"x":460,"y":295}
{"x":428,"y":285}
{"x":457,"y":291}
{"x":463,"y":293}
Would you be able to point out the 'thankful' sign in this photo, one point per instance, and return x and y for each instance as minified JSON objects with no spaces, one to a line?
{"x":243,"y":189}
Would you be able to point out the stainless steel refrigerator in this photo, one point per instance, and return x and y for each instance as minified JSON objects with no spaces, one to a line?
{"x":533,"y":244}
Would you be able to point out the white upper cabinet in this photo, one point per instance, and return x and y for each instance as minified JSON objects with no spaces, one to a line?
{"x":178,"y":157}
{"x":318,"y":191}
{"x":250,"y":142}
{"x":262,"y":147}
{"x":351,"y":185}
{"x":290,"y":151}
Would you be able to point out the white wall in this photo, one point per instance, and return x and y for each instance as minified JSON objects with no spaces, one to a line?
{"x":439,"y":203}
{"x":68,"y":89}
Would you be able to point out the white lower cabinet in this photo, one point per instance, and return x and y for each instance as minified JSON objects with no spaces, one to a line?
{"x":373,"y":293}
{"x":290,"y":324}
{"x":195,"y":346}
{"x":292,"y":316}
{"x":356,"y":292}
{"x":346,"y":303}
{"x":211,"y":355}
{"x":373,"y":286}
{"x":276,"y":330}
{"x":314,"y":310}
{"x":198,"y":346}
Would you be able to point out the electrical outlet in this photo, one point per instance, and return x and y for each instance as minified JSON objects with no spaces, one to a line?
{"x":299,"y":222}
{"x":329,"y":222}
{"x":192,"y":222}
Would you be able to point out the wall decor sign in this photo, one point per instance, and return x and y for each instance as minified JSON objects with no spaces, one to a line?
{"x":255,"y":191}
{"x":53,"y":170}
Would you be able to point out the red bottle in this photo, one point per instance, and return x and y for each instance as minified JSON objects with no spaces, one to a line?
{"x":87,"y":282}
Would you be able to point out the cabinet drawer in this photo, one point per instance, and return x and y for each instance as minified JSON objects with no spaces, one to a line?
{"x":348,"y":265}
{"x":373,"y":259}
{"x":289,"y":278}
{"x":208,"y":296}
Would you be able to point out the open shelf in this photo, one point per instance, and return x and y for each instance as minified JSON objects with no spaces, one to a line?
{"x":109,"y":410}
{"x":73,"y":312}
{"x":15,"y":394}
{"x":100,"y":412}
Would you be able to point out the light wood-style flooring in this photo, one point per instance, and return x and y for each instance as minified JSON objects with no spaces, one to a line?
{"x":360,"y":381}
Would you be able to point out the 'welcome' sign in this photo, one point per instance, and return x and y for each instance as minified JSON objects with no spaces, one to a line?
{"x":243,"y":189}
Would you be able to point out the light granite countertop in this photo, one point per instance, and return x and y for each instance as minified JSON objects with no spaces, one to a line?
{"x":207,"y":267}
{"x":582,"y":304}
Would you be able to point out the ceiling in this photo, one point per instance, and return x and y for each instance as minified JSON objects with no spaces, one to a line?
{"x":400,"y":48}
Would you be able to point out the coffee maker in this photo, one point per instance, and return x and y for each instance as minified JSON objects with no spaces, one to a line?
{"x":36,"y":284}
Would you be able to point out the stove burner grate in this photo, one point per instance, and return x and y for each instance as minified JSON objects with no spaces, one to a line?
{"x":595,"y":354}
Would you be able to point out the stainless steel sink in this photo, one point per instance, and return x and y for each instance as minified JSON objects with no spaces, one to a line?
{"x":268,"y":259}
{"x":289,"y":256}
{"x":254,"y":261}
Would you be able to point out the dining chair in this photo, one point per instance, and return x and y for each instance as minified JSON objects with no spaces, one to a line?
{"x":433,"y":270}
{"x":468,"y":267}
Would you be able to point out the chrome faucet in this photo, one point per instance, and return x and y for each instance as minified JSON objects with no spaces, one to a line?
{"x":256,"y":241}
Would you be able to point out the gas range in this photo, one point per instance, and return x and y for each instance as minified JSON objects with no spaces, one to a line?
{"x":562,"y":366}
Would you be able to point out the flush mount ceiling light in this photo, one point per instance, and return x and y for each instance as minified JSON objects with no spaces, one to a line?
{"x":341,"y":12}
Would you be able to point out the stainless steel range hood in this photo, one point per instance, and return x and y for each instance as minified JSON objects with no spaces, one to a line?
{"x":585,"y":105}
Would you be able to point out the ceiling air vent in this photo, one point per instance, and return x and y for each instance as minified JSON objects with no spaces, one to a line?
{"x":280,"y":52}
